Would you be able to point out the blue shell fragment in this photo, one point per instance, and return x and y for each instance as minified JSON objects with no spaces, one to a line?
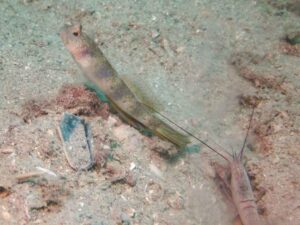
{"x":68,"y":124}
{"x":77,"y":141}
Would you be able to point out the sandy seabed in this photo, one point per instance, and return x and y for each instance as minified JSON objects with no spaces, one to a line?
{"x":204,"y":64}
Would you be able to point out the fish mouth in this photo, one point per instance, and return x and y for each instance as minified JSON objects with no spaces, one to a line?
{"x":63,"y":34}
{"x":65,"y":27}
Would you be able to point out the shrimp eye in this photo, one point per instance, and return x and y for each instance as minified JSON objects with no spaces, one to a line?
{"x":76,"y":34}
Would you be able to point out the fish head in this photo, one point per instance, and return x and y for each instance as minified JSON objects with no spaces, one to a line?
{"x":75,"y":40}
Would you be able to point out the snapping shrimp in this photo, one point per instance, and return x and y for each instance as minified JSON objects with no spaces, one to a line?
{"x":236,"y":181}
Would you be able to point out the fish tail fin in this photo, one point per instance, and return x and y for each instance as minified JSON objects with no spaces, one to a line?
{"x":177,"y":138}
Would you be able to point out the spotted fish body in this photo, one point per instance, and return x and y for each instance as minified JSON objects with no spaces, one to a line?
{"x":98,"y":70}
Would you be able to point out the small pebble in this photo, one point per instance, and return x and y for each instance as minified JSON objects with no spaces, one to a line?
{"x":132,"y":166}
{"x":175,"y":201}
{"x":125,"y":219}
{"x":7,"y":150}
{"x":156,"y":171}
{"x":155,"y":34}
{"x":6,"y":215}
{"x":154,"y":191}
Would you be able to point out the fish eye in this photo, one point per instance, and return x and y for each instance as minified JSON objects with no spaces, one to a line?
{"x":76,"y":34}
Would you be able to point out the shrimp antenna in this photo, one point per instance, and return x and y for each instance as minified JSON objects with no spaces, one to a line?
{"x":245,"y":140}
{"x":192,"y":135}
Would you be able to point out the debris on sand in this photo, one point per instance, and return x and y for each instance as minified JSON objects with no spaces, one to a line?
{"x":243,"y":62}
{"x":7,"y":150}
{"x":261,"y":80}
{"x":154,"y":192}
{"x":28,"y":177}
{"x":33,"y":109}
{"x":35,"y":175}
{"x":250,"y":101}
{"x":116,"y":174}
{"x":73,"y":98}
{"x":175,"y":201}
{"x":293,"y":38}
{"x":291,"y":6}
{"x":82,"y":101}
{"x":76,"y":136}
{"x":4,"y":191}
{"x":288,"y":49}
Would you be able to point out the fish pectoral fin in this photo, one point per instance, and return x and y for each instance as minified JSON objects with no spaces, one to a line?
{"x":125,"y":117}
{"x":93,"y":87}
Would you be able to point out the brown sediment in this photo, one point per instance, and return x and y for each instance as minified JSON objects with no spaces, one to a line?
{"x":4,"y":192}
{"x":261,"y":80}
{"x":84,"y":101}
{"x":250,"y":101}
{"x":276,"y":122}
{"x":243,"y":62}
{"x":28,"y":176}
{"x":74,"y":98}
{"x":117,"y":174}
{"x":291,"y":5}
{"x":262,"y":132}
{"x":33,"y":109}
{"x":288,"y":49}
{"x":255,"y":174}
{"x":242,"y":59}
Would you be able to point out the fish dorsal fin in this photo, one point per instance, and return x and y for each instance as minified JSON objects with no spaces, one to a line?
{"x":143,"y":96}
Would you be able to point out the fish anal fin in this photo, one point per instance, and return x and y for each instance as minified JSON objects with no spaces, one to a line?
{"x":177,"y":138}
{"x":130,"y":120}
